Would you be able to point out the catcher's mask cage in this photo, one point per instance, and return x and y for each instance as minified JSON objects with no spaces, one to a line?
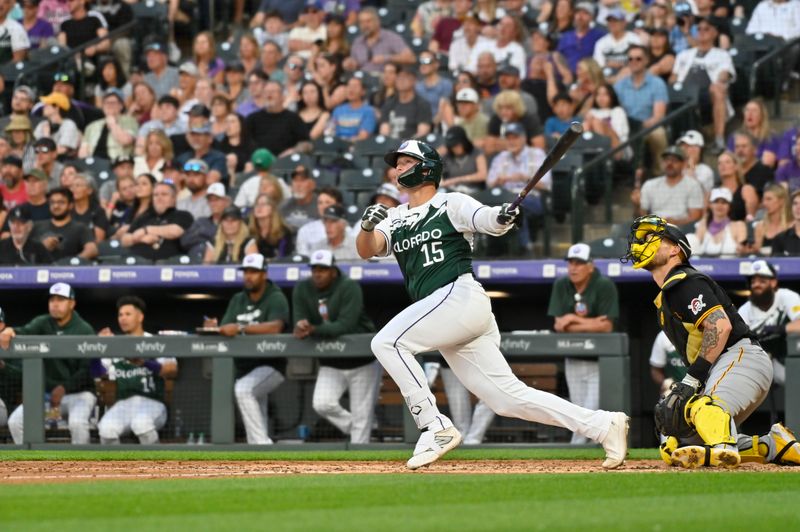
{"x":645,"y":237}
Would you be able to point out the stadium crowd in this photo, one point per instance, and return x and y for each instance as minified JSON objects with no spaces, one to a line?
{"x":271,"y":139}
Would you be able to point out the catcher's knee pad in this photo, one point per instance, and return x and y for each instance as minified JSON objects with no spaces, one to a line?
{"x":711,"y":421}
{"x":666,"y":449}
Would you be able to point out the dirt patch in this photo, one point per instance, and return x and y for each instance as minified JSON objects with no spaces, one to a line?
{"x":14,"y":472}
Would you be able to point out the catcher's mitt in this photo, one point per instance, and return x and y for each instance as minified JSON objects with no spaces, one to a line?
{"x":670,"y":415}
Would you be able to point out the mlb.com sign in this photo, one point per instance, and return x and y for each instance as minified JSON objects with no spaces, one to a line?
{"x":209,"y":347}
{"x":580,"y":345}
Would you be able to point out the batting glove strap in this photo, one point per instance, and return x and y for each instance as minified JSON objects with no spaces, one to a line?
{"x":507,"y":214}
{"x":373,"y":215}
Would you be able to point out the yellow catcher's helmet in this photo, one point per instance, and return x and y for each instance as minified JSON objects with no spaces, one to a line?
{"x":645,"y":239}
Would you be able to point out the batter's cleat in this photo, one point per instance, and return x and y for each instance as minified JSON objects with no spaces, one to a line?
{"x":433,"y":445}
{"x":616,"y":441}
{"x":786,"y":446}
{"x":696,"y":456}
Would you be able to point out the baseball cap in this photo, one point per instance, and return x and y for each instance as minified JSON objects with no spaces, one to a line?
{"x":216,"y":189}
{"x":38,"y":174}
{"x":156,"y":47}
{"x":616,"y":14}
{"x":188,"y":68}
{"x":113,"y":91}
{"x":683,"y":8}
{"x":508,"y":69}
{"x":13,"y":160}
{"x":322,"y":257}
{"x":254,"y":261}
{"x":195,"y":165}
{"x":57,"y":99}
{"x":19,"y":123}
{"x":21,"y":213}
{"x":514,"y":128}
{"x":199,"y":109}
{"x":692,"y":138}
{"x":232,"y":211}
{"x":262,"y":159}
{"x":62,"y":290}
{"x":121,"y":159}
{"x":44,"y":144}
{"x":334,"y":212}
{"x":674,"y":151}
{"x":467,"y":94}
{"x":388,"y":190}
{"x":585,"y":6}
{"x":762,"y":268}
{"x":579,"y":251}
{"x":313,"y":4}
{"x":721,"y":193}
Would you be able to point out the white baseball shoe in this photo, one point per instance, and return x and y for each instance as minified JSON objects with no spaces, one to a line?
{"x":616,"y":441}
{"x":433,"y":445}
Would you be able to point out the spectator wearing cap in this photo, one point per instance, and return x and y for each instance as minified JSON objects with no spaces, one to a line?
{"x":256,"y":97}
{"x":15,"y":36}
{"x":188,"y":77}
{"x":327,"y":306}
{"x":446,"y":28}
{"x":314,"y":231}
{"x":161,"y":77}
{"x":709,"y":70}
{"x":66,"y":380}
{"x":461,"y":48}
{"x":279,"y":130}
{"x":470,"y":117}
{"x":611,"y":50}
{"x":22,"y":100}
{"x":771,"y":313}
{"x":156,"y":152}
{"x":684,"y":32}
{"x":262,"y":160}
{"x":61,"y":234}
{"x":271,"y":236}
{"x":47,"y":160}
{"x":17,"y":249}
{"x":303,"y":36}
{"x":754,"y":171}
{"x":580,"y":41}
{"x":545,"y":62}
{"x":405,"y":115}
{"x":228,"y":246}
{"x":20,"y":138}
{"x":200,"y":143}
{"x":691,"y":142}
{"x":509,"y":108}
{"x":40,"y":32}
{"x":86,"y":207}
{"x":716,"y":235}
{"x":465,"y":166}
{"x":196,"y":171}
{"x":339,"y":239}
{"x":84,"y":26}
{"x":507,"y":48}
{"x":302,"y":206}
{"x":644,"y":97}
{"x":203,"y":230}
{"x":376,"y":46}
{"x":511,"y":169}
{"x":677,"y":199}
{"x":354,"y":119}
{"x":584,"y":301}
{"x":36,"y":184}
{"x":114,"y":134}
{"x":79,"y":111}
{"x":432,"y":87}
{"x":57,"y":125}
{"x":156,"y":234}
{"x":12,"y":189}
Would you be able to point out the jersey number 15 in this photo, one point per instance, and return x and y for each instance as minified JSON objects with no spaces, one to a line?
{"x":432,"y":255}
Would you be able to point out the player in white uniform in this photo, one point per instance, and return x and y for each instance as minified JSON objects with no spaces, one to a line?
{"x":139,"y":407}
{"x":771,"y":312}
{"x":3,"y":407}
{"x":431,"y":238}
{"x":666,"y":364}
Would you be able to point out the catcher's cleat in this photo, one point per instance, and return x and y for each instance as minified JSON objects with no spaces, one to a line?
{"x":666,"y":449}
{"x":724,"y":456}
{"x":616,"y":441}
{"x":696,"y":456}
{"x":786,"y":446}
{"x":433,"y":445}
{"x":689,"y":457}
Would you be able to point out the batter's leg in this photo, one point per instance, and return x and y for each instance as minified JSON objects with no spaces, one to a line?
{"x":150,"y":415}
{"x":3,"y":414}
{"x":77,"y":407}
{"x":482,"y":419}
{"x":331,"y":385}
{"x":251,"y":396}
{"x":458,"y":400}
{"x":15,"y":424}
{"x":364,"y":383}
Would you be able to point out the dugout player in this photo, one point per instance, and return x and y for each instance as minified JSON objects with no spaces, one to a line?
{"x":261,"y":308}
{"x":5,"y":391}
{"x":327,"y":305}
{"x":583,"y":302}
{"x":139,"y":406}
{"x":66,"y":380}
{"x":431,"y":238}
{"x":666,"y":364}
{"x":771,"y":313}
{"x":728,"y":375}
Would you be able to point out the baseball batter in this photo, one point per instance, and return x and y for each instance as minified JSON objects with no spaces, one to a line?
{"x":431,"y":238}
{"x":728,"y":374}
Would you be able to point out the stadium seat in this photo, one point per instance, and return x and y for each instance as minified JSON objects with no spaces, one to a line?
{"x":328,"y":145}
{"x":99,"y":168}
{"x":124,"y":260}
{"x":375,"y":147}
{"x":366,"y":179}
{"x":179,"y":260}
{"x":48,"y":53}
{"x":111,"y":248}
{"x":324,"y":177}
{"x":290,"y":162}
{"x":433,"y":139}
{"x":608,"y":248}
{"x":495,"y":196}
{"x":290,"y":259}
{"x":72,"y":261}
{"x":228,"y":51}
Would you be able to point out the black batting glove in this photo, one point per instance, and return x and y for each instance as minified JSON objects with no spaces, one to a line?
{"x":507,"y":215}
{"x":373,"y":215}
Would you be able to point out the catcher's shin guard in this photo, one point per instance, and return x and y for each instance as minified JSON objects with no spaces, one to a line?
{"x":751,"y":449}
{"x":666,"y":449}
{"x":712,"y":423}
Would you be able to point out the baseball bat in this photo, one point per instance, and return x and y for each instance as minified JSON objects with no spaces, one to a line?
{"x":553,"y":156}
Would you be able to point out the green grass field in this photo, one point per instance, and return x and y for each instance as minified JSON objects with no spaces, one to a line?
{"x":404,"y":502}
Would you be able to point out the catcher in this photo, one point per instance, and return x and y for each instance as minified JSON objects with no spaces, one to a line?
{"x":729,"y":374}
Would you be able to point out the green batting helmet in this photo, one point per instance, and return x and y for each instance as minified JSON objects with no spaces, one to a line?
{"x":429,"y":169}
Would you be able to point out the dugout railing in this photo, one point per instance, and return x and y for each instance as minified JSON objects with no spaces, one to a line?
{"x":611,"y":350}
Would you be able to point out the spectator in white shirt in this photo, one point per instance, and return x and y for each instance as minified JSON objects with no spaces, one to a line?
{"x":692,"y":144}
{"x":461,"y":48}
{"x":676,"y":198}
{"x":611,"y":50}
{"x":506,"y":49}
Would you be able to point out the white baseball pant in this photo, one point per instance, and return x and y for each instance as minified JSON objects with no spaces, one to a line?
{"x":252,"y":393}
{"x":362,"y":384}
{"x":141,"y":415}
{"x":76,"y":408}
{"x":472,"y":424}
{"x":457,"y":320}
{"x":3,"y":414}
{"x":583,"y":381}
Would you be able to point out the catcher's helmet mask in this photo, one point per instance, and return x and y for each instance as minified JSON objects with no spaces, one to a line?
{"x":645,"y":237}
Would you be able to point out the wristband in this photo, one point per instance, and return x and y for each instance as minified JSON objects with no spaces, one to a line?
{"x":153,"y":365}
{"x":699,"y":369}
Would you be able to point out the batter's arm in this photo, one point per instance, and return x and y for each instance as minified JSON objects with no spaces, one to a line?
{"x":371,"y":244}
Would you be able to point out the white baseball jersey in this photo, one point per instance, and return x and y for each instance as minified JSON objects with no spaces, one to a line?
{"x":785,"y":308}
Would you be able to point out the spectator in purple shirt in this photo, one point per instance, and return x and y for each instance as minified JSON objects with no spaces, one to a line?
{"x":39,"y":30}
{"x":788,"y":174}
{"x":756,"y":122}
{"x":578,"y":43}
{"x":786,"y":145}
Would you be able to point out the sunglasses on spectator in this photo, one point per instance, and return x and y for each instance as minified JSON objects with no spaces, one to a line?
{"x":194,"y":167}
{"x":635,"y":58}
{"x":61,"y":77}
{"x":426,"y":61}
{"x":294,"y":66}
